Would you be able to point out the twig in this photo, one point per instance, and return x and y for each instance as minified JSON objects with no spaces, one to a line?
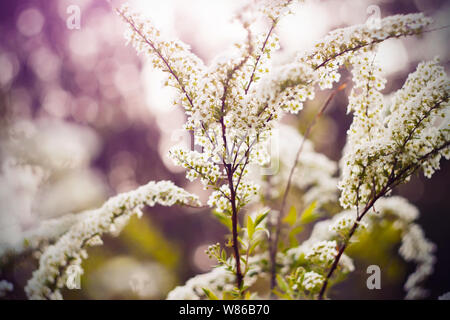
{"x":274,"y":244}
{"x":259,"y":57}
{"x":160,"y":55}
{"x":234,"y":222}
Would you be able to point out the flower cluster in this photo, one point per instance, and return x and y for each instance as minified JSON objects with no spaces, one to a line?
{"x":197,"y":165}
{"x":219,"y":280}
{"x":312,"y":280}
{"x":415,"y":247}
{"x":233,"y":104}
{"x":228,"y":109}
{"x":423,"y":101}
{"x":318,"y":251}
{"x":48,"y":231}
{"x":245,"y":192}
{"x":67,"y":253}
{"x":275,"y":9}
{"x":387,"y":144}
{"x":290,"y":85}
{"x":184,"y":68}
{"x":340,"y":44}
{"x":323,"y":252}
{"x":343,"y":224}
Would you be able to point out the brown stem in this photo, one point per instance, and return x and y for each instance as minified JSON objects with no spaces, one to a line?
{"x":344,"y":246}
{"x":234,"y":221}
{"x":259,"y":57}
{"x":229,"y":169}
{"x":274,"y":243}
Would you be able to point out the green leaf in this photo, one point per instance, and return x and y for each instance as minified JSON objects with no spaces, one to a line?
{"x":244,"y":244}
{"x":224,"y":255}
{"x":261,"y":217}
{"x":309,"y":215}
{"x":296,"y":230}
{"x":292,"y":239}
{"x":281,"y":295}
{"x":282,"y":283}
{"x":254,"y":246}
{"x":250,"y":227}
{"x":223,"y":219}
{"x":292,"y":235}
{"x":291,"y":217}
{"x":210,"y":294}
{"x":227,"y":296}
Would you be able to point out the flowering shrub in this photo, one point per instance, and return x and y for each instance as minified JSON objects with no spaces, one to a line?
{"x":233,"y":107}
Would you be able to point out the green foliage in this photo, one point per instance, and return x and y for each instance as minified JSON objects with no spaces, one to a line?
{"x":309,"y":214}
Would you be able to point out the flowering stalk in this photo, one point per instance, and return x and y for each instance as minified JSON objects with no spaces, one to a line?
{"x":413,"y":142}
{"x":61,"y":261}
{"x":395,"y":180}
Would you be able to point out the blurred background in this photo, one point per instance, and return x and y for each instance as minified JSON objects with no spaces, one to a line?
{"x":87,"y":118}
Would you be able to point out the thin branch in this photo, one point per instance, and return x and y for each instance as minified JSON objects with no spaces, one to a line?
{"x":234,"y":222}
{"x":259,"y":57}
{"x":160,"y":55}
{"x":368,"y":44}
{"x":246,"y":154}
{"x":212,"y":183}
{"x":274,"y":245}
{"x":243,"y":167}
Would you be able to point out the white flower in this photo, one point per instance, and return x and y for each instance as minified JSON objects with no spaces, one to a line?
{"x":386,"y":144}
{"x":322,"y":252}
{"x":344,"y":223}
{"x":312,"y":280}
{"x":69,"y":250}
{"x":415,"y":247}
